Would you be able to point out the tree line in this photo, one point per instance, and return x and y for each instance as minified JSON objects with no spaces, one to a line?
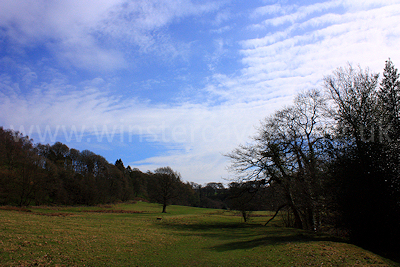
{"x":43,"y":174}
{"x":332,"y":157}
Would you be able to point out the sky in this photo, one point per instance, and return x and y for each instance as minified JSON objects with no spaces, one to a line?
{"x":176,"y":83}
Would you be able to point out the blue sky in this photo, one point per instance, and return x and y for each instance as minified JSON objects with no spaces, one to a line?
{"x":176,"y":82}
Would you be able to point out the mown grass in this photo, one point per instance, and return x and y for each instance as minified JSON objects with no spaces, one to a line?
{"x":134,"y":235}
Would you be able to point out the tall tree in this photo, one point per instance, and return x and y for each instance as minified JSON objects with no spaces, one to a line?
{"x":389,"y":98}
{"x":20,"y":169}
{"x":389,"y":109}
{"x":353,"y":92}
{"x":364,"y":183}
{"x":288,"y":152}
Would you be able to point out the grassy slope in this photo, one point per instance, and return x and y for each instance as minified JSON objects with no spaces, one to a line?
{"x":184,"y":237}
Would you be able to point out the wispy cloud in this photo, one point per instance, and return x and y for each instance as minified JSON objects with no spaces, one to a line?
{"x":299,"y":55}
{"x":301,"y":12}
{"x":268,"y":10}
{"x":97,"y":35}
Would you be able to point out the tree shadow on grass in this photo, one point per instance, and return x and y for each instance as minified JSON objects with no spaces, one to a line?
{"x":248,"y":236}
{"x":224,"y":231}
{"x":271,"y":239}
{"x":208,"y":226}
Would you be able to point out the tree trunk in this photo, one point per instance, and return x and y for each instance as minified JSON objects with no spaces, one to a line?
{"x":276,"y":213}
{"x":297,"y":220}
{"x":244,"y":215}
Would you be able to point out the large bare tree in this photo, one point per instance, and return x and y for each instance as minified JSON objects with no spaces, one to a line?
{"x":288,"y":152}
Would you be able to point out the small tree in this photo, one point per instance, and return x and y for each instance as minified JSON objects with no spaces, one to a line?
{"x":165,"y":186}
{"x":244,"y":197}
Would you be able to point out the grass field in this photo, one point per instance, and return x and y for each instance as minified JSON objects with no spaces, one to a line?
{"x":134,"y":235}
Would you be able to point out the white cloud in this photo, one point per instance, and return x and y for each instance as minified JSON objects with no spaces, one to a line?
{"x":214,"y":58}
{"x":221,"y":30}
{"x":94,"y":34}
{"x":222,"y":16}
{"x":268,"y":10}
{"x":300,"y":54}
{"x":64,"y":27}
{"x":209,"y":133}
{"x":287,"y":16}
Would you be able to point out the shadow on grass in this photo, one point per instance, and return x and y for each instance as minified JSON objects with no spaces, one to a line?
{"x":270,"y":239}
{"x":223,"y":231}
{"x":247,"y":236}
{"x":209,"y":226}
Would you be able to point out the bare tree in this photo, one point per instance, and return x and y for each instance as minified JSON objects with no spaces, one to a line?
{"x":288,"y":152}
{"x":353,"y":92}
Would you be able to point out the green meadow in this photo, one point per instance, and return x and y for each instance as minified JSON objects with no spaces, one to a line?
{"x":138,"y":234}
